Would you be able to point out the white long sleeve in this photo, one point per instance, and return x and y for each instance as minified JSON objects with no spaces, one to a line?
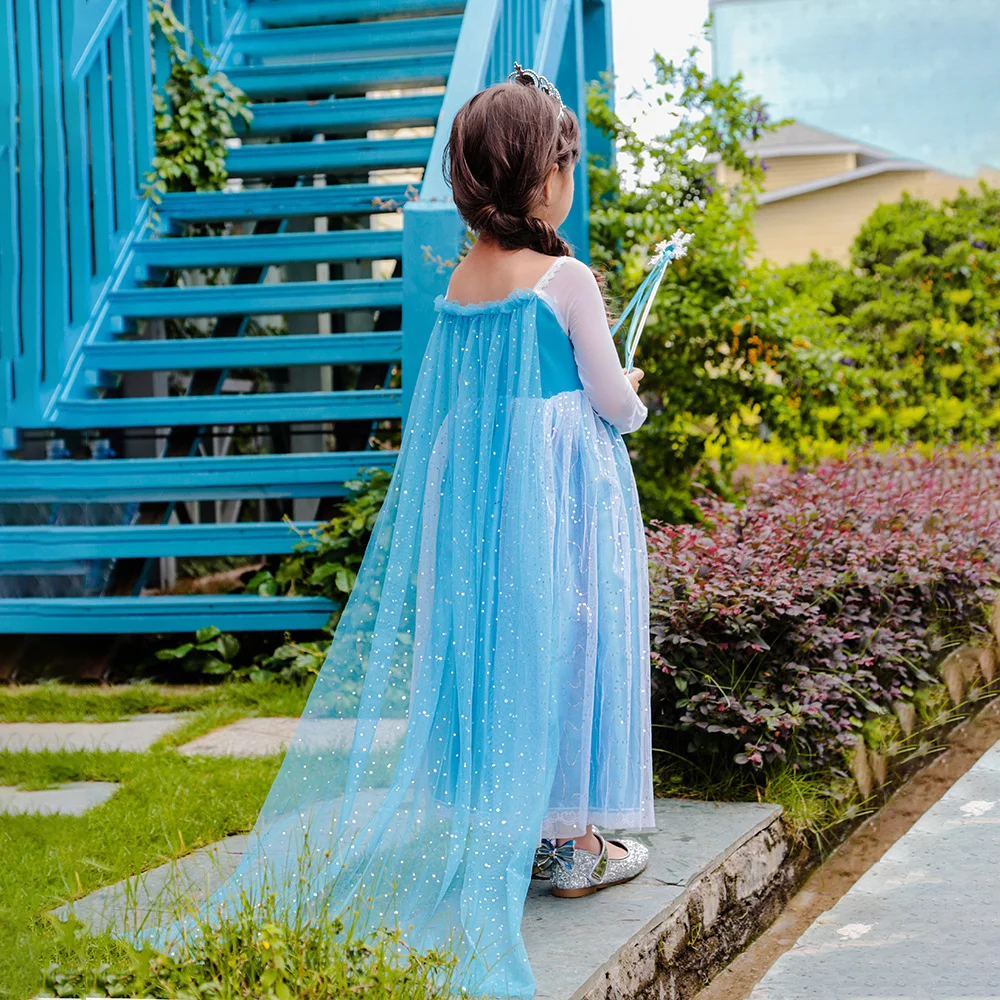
{"x":572,"y":291}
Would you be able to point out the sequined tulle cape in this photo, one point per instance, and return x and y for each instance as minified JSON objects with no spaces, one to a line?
{"x":488,"y":682}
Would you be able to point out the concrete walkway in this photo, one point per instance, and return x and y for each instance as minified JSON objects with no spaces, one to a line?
{"x":71,"y":799}
{"x":261,"y":737}
{"x":921,"y":924}
{"x":606,"y":945}
{"x":134,"y":735}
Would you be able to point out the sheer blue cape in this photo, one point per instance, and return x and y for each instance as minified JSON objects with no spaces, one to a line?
{"x":465,"y":707}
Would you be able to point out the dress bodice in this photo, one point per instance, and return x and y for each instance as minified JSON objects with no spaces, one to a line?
{"x":557,"y":366}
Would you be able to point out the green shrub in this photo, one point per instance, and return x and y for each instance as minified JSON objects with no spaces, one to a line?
{"x":913,"y":323}
{"x":326,"y":560}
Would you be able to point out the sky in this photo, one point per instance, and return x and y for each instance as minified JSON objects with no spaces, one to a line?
{"x":642,"y":27}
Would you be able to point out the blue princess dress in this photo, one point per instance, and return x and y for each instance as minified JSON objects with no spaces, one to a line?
{"x":488,"y":682}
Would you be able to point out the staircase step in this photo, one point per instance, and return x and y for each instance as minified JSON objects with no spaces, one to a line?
{"x":338,"y":156}
{"x":136,"y":615}
{"x":249,"y":408}
{"x":339,"y":114}
{"x":355,"y":76}
{"x":275,"y":13}
{"x":280,"y":203}
{"x":55,"y":544}
{"x":405,"y":36}
{"x":257,"y":300}
{"x":140,"y":480}
{"x":245,"y":352}
{"x":279,"y":248}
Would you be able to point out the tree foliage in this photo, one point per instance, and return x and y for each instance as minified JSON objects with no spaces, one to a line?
{"x":710,"y":346}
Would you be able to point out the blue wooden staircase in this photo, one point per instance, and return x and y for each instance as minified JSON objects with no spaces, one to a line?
{"x":120,"y":350}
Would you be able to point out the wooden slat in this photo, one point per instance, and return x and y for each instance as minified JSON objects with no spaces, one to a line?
{"x":402,"y":37}
{"x":279,"y":203}
{"x":257,"y":300}
{"x":245,"y":352}
{"x":356,"y":76}
{"x":342,"y":115}
{"x":279,"y":248}
{"x":251,"y":408}
{"x":137,"y":615}
{"x":338,"y":156}
{"x":288,"y":12}
{"x":128,"y":480}
{"x":56,"y":544}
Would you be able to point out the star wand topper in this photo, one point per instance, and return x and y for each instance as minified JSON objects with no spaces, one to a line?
{"x":640,"y":303}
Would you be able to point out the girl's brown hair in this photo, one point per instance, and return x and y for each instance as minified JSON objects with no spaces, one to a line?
{"x":504,"y":141}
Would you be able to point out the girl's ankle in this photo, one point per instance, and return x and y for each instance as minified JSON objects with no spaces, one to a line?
{"x":586,"y":842}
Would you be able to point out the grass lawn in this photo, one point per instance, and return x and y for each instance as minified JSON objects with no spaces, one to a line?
{"x":167,"y":806}
{"x":55,"y":702}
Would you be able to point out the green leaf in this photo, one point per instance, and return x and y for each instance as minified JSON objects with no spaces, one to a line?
{"x":229,"y":646}
{"x":213,"y":665}
{"x":178,"y":653}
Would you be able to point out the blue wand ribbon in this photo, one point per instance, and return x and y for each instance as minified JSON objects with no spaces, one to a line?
{"x":640,"y":303}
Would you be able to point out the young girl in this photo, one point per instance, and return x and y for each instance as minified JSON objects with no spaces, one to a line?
{"x":486,"y":691}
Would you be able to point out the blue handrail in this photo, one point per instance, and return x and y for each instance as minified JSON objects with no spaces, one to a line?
{"x":468,"y":75}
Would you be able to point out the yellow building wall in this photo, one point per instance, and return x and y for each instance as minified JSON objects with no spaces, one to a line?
{"x":827,"y":221}
{"x":787,"y":171}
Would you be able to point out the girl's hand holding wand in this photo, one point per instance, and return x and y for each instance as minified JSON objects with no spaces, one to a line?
{"x":640,"y":303}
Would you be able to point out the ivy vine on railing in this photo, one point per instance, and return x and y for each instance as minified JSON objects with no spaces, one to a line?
{"x":194,"y":115}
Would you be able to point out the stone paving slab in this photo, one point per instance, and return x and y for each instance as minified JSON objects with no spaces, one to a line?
{"x":572,"y":943}
{"x":71,"y":799}
{"x":133,"y":735}
{"x":266,"y":736}
{"x":923,"y":923}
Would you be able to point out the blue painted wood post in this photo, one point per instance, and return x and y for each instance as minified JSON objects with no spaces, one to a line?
{"x":142,"y":91}
{"x":572,"y":86}
{"x":123,"y":125}
{"x":432,"y":235}
{"x":10,"y":260}
{"x":598,"y":59}
{"x":54,"y":193}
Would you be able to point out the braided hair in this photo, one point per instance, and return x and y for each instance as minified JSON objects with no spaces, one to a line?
{"x":503,"y":143}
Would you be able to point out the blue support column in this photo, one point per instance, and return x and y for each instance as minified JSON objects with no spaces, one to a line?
{"x":432,"y":235}
{"x":598,"y":59}
{"x":572,"y":86}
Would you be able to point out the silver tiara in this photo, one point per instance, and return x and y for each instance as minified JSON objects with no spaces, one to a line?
{"x":544,"y":85}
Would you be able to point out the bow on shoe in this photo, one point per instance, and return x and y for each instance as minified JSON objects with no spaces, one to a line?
{"x":548,"y":855}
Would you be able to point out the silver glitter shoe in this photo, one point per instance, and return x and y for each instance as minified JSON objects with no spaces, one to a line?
{"x":589,"y":872}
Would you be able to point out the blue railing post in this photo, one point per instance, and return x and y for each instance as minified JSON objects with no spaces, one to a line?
{"x":432,"y":238}
{"x":9,"y":226}
{"x":560,"y":57}
{"x":598,"y":58}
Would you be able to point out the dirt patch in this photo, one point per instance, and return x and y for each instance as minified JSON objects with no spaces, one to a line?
{"x":966,"y":744}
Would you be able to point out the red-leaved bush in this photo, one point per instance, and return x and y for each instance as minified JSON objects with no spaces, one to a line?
{"x":779,"y":626}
